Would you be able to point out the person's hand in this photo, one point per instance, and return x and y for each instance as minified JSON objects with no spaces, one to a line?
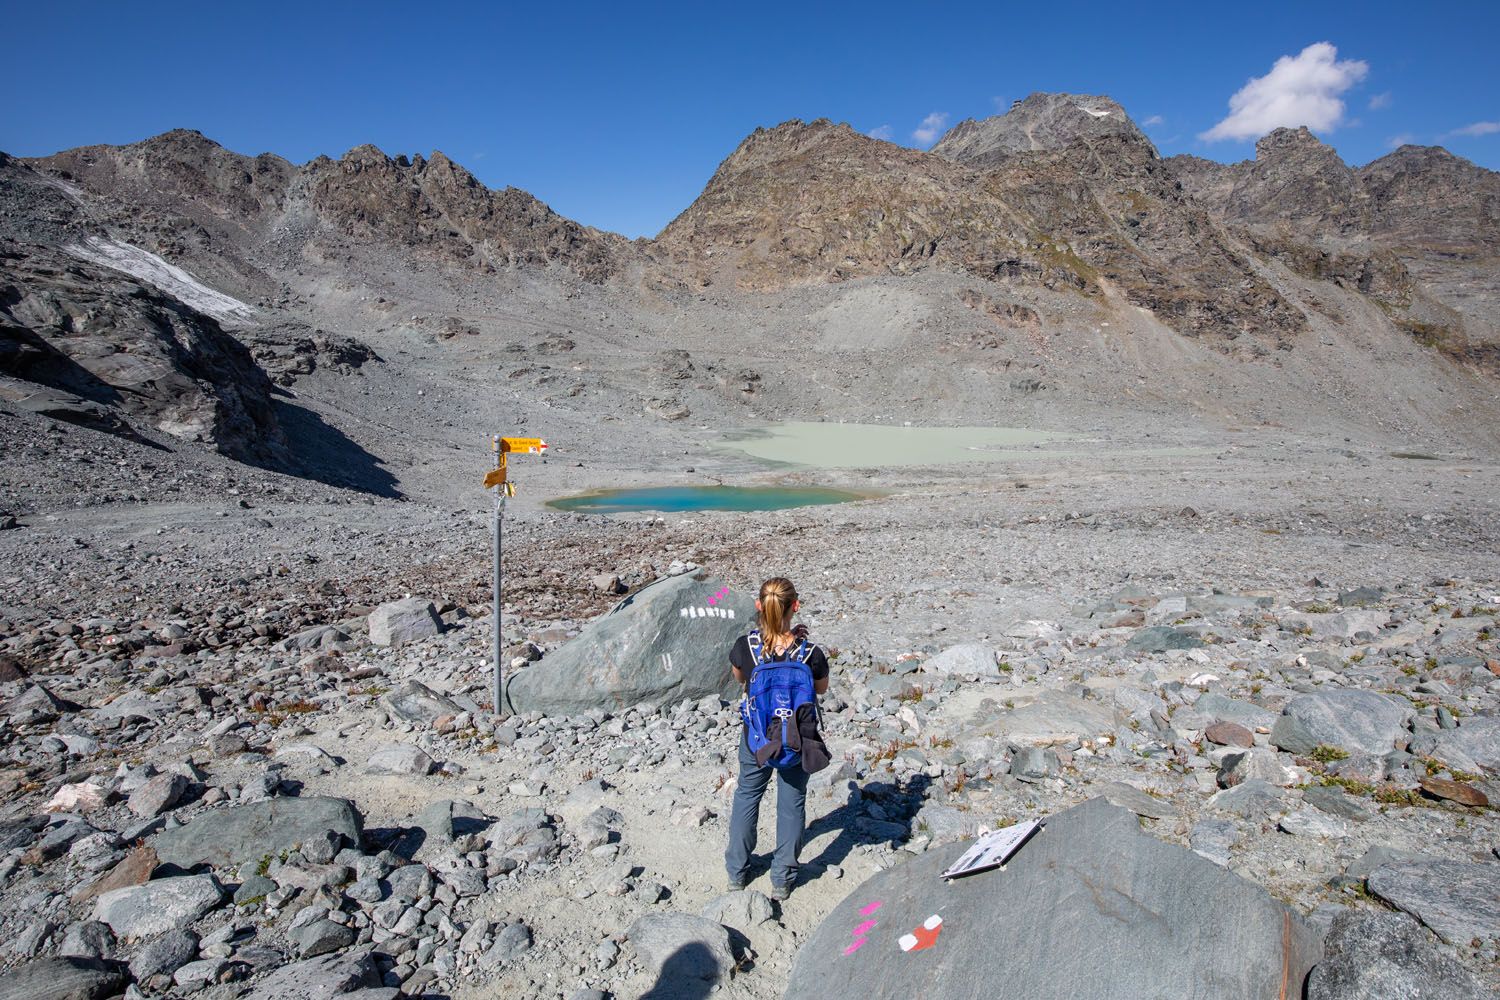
{"x":799,"y":630}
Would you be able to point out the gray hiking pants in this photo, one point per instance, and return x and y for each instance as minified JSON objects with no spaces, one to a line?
{"x":791,"y":817}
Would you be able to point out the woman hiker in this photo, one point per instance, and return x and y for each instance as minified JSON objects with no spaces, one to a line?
{"x":776,"y":642}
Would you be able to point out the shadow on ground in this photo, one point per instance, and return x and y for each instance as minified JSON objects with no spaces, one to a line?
{"x":681,"y":975}
{"x":326,"y":454}
{"x":901,"y":802}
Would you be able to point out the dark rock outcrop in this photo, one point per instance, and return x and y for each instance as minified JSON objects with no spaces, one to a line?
{"x":88,"y":343}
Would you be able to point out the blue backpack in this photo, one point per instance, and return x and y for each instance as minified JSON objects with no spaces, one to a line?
{"x":776,"y":690}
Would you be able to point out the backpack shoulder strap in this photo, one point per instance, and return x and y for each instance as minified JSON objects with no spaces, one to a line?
{"x":803,"y":652}
{"x":757,"y":648}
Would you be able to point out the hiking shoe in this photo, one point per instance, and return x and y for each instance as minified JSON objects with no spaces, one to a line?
{"x":736,"y":885}
{"x":781,"y":893}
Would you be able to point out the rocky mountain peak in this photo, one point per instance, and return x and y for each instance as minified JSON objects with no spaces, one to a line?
{"x":1041,"y":122}
{"x":1284,"y":142}
{"x":366,"y":155}
{"x":788,"y":140}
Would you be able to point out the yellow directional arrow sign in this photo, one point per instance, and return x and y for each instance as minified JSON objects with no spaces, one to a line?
{"x":534,"y":446}
{"x":494,"y":477}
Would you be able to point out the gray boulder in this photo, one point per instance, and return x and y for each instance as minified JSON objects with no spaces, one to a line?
{"x":1371,"y":955}
{"x":250,"y":832}
{"x":158,"y":795}
{"x":63,"y":979}
{"x":1338,"y":625}
{"x":1351,"y":720}
{"x":320,"y":937}
{"x":319,"y":978}
{"x":743,"y":910}
{"x":1460,"y":900}
{"x":513,"y":941}
{"x":419,"y":704}
{"x":1113,"y":906}
{"x":964,"y":660}
{"x":1214,"y":839}
{"x":1252,"y":799}
{"x":87,"y":939}
{"x":1161,"y":638}
{"x":407,"y":620}
{"x":164,"y":955}
{"x":1129,"y":797}
{"x":1248,"y":714}
{"x":1035,"y":764}
{"x":1056,"y":717}
{"x":158,"y":906}
{"x":663,"y":643}
{"x":688,"y":954}
{"x":400,"y":758}
{"x":1474,"y":744}
{"x":1260,"y":764}
{"x":1378,"y":857}
{"x":1361,"y":597}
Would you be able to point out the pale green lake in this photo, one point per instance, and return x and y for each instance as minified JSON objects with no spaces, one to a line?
{"x":857,"y":446}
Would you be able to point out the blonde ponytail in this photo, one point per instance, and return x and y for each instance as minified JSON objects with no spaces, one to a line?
{"x":777,"y":595}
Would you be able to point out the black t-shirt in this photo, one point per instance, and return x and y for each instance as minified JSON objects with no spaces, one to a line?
{"x":739,"y":656}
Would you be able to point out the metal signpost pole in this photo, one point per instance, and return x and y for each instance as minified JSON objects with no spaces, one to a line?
{"x":496,"y":642}
{"x":497,"y":478}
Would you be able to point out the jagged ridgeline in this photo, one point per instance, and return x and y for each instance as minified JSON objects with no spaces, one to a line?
{"x":1058,"y":217}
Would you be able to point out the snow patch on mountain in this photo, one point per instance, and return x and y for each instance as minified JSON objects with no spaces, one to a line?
{"x":148,"y":267}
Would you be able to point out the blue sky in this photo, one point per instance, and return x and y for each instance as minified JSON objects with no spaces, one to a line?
{"x":616,"y":114}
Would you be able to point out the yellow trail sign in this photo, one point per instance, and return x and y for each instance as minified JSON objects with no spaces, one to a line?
{"x":534,"y":446}
{"x":494,"y":477}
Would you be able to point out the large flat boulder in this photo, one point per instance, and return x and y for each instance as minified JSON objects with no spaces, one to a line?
{"x":63,"y":979}
{"x":1089,"y":907}
{"x":664,"y":643}
{"x":252,"y":831}
{"x":1350,"y":720}
{"x":1459,"y":900}
{"x":158,"y":906}
{"x":1056,"y":717}
{"x":318,"y":978}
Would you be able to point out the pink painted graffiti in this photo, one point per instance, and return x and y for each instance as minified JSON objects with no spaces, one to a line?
{"x":863,"y":929}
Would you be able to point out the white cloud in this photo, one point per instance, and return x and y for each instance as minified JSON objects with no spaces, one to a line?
{"x":1154,"y":120}
{"x":1478,"y":128}
{"x":1401,"y":139}
{"x":882,"y":132}
{"x":1300,"y":90}
{"x":932,"y":126}
{"x":1380,"y":101}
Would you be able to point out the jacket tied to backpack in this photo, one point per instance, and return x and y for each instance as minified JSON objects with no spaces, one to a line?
{"x":780,"y":709}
